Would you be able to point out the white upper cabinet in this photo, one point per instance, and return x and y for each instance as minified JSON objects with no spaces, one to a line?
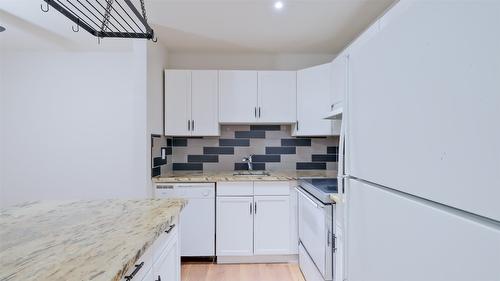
{"x":339,"y":80}
{"x":204,"y":103}
{"x":257,"y":97}
{"x":191,"y":103}
{"x":277,"y":97}
{"x":313,"y":96}
{"x":237,"y":96}
{"x":177,"y":102}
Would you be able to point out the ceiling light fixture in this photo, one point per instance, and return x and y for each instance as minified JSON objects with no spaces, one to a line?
{"x":2,"y":28}
{"x":278,"y":5}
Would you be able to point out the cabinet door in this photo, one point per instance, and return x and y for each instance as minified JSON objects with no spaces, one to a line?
{"x":177,"y":102}
{"x":237,"y":96}
{"x":271,"y":225}
{"x":168,"y":265}
{"x":339,"y":79}
{"x":234,"y":226}
{"x":204,"y":103}
{"x":313,"y":96}
{"x":277,"y":96}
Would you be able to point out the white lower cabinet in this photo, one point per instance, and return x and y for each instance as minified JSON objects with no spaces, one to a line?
{"x":255,"y":221}
{"x":234,"y":226}
{"x":167,"y":267}
{"x":271,"y":225}
{"x":162,"y":261}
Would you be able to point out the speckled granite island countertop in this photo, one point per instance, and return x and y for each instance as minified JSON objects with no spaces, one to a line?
{"x":215,"y":176}
{"x":81,"y":240}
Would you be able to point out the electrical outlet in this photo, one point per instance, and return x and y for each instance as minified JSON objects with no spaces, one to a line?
{"x":163,"y":153}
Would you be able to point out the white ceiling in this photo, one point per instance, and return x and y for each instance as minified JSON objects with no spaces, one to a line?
{"x":238,"y":26}
{"x":303,"y":26}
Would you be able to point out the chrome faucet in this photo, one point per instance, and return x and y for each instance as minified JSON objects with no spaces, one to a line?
{"x":249,"y":161}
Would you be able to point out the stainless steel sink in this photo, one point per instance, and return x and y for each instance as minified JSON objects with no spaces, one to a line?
{"x":251,"y":173}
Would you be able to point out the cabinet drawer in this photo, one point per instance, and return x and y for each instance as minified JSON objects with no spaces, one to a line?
{"x":235,"y":188}
{"x":163,"y":240}
{"x":141,"y":267}
{"x":272,"y":188}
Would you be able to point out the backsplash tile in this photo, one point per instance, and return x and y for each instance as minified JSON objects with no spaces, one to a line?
{"x":273,"y":148}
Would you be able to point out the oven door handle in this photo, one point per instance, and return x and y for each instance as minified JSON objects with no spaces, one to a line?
{"x":311,"y":200}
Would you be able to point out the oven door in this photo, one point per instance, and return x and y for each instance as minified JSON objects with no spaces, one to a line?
{"x":315,"y":232}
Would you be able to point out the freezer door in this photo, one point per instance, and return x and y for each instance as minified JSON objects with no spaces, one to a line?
{"x":424,"y":104}
{"x":394,"y":238}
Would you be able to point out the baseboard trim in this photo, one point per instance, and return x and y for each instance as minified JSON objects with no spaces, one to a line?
{"x":259,"y":259}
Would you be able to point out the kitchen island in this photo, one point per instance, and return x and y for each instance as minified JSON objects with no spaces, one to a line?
{"x":81,"y":240}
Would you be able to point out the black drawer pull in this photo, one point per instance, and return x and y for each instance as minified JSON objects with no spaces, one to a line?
{"x":137,"y":268}
{"x":170,"y":228}
{"x":159,"y":278}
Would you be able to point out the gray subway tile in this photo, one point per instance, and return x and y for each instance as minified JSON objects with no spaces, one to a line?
{"x":324,"y":158}
{"x":234,"y":142}
{"x":295,"y":142}
{"x":281,"y":150}
{"x":310,"y":166}
{"x":203,"y":158}
{"x":250,"y":134}
{"x":218,"y":150}
{"x":187,"y":166}
{"x":266,"y":158}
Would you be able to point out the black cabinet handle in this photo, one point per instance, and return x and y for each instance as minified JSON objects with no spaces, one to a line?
{"x":192,"y":125}
{"x":255,"y":208}
{"x":170,"y":228}
{"x":259,"y":111}
{"x":250,"y":208}
{"x":189,"y":126}
{"x":255,"y":112}
{"x":137,"y":268}
{"x":159,"y":278}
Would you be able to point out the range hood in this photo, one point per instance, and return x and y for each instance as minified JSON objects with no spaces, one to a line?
{"x":336,"y":112}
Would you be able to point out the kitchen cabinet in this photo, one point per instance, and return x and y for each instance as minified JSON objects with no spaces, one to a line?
{"x":271,"y":225}
{"x":257,"y":96}
{"x":313,"y":96}
{"x":338,"y":80}
{"x":277,"y":97}
{"x":237,"y":96}
{"x":191,"y":103}
{"x":161,"y":261}
{"x":234,"y":226}
{"x":256,"y":219}
{"x":167,"y":267}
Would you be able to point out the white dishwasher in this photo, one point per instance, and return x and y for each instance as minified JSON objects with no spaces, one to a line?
{"x":197,"y":220}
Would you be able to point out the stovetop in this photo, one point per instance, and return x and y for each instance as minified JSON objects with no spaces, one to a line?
{"x":320,"y":188}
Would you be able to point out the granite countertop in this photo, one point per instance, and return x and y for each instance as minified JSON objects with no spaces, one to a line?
{"x":216,"y":176}
{"x":80,"y":240}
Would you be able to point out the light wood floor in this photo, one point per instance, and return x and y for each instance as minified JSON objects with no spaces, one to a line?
{"x":241,"y":272}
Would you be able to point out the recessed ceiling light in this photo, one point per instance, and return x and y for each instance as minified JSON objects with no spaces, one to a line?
{"x":2,"y":28}
{"x":278,"y":5}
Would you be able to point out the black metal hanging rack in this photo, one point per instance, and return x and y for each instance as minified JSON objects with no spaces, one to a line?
{"x":105,"y":18}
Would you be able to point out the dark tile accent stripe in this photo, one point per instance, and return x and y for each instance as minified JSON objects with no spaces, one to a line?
{"x":250,"y":134}
{"x":203,"y":158}
{"x":156,"y":171}
{"x":281,"y":150}
{"x":265,"y":127}
{"x":324,"y":158}
{"x":234,"y":142}
{"x":179,"y":142}
{"x":244,"y":166}
{"x":310,"y":166}
{"x":157,"y":161}
{"x":295,"y":142}
{"x":332,"y":149}
{"x":187,"y":166}
{"x":169,"y":142}
{"x":266,"y":158}
{"x":218,"y":150}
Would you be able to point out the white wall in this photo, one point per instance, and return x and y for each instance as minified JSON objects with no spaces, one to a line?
{"x":73,"y":126}
{"x":199,"y":60}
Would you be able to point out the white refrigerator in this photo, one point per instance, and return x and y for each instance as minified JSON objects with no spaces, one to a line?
{"x":422,"y":145}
